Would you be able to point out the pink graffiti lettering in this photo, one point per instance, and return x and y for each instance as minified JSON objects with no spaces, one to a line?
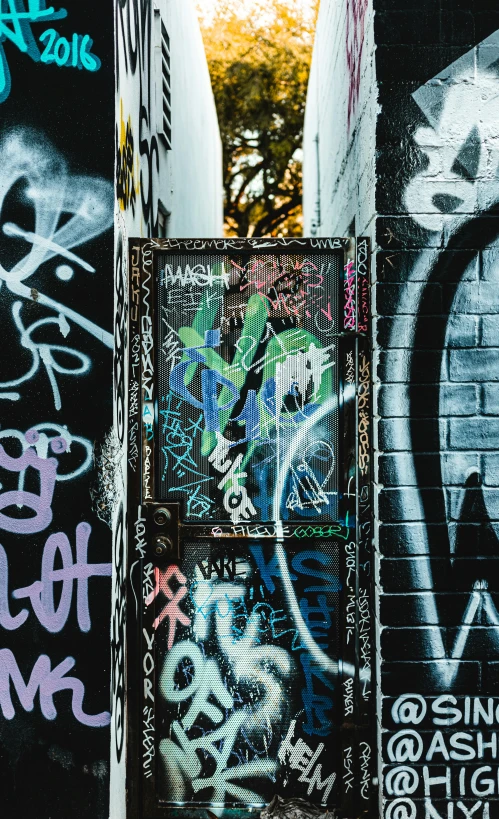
{"x":171,"y":610}
{"x":41,"y":592}
{"x":327,"y":312}
{"x":290,"y":302}
{"x":356,"y":13}
{"x":364,"y":305}
{"x":349,"y":296}
{"x":39,"y":504}
{"x":47,"y":681}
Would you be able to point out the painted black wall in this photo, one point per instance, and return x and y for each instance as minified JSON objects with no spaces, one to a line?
{"x":57,"y":159}
{"x":437,"y":308}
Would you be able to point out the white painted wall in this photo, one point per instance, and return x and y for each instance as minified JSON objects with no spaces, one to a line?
{"x":186,"y":182}
{"x":343,"y":161}
{"x":195,"y":162}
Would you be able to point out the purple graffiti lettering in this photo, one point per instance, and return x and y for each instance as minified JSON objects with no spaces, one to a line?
{"x":47,"y":681}
{"x":39,"y":504}
{"x":6,"y":620}
{"x":41,"y":592}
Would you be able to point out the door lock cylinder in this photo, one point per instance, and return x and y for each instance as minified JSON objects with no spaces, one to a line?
{"x":162,"y":547}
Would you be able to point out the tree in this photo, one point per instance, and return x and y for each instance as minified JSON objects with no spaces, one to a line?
{"x":259,"y":55}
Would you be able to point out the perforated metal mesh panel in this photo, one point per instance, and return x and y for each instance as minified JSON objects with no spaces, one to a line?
{"x":239,"y":692}
{"x":247,"y":354}
{"x":247,"y":426}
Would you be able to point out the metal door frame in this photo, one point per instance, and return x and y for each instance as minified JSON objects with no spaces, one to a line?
{"x":358,"y":728}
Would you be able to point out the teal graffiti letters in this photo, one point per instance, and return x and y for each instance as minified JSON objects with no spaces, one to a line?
{"x":15,"y":28}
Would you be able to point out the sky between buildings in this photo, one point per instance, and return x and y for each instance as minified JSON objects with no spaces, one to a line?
{"x":208,"y":6}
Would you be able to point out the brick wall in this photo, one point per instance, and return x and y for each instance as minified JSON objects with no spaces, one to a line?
{"x":436,"y":341}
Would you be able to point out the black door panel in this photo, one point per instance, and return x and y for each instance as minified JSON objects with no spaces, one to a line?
{"x":249,"y":631}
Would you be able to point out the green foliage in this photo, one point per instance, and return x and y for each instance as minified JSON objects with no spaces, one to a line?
{"x":259,"y":59}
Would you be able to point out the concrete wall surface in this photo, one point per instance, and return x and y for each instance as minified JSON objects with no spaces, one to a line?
{"x":435,"y":270}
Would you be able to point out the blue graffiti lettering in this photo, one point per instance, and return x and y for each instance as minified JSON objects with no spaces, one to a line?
{"x":75,"y":55}
{"x":317,"y":706}
{"x":263,"y":472}
{"x":210,"y":379}
{"x":333,"y":583}
{"x":317,"y":618}
{"x":268,"y":570}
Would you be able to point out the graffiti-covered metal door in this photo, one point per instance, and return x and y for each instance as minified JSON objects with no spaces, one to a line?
{"x":249,"y":672}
